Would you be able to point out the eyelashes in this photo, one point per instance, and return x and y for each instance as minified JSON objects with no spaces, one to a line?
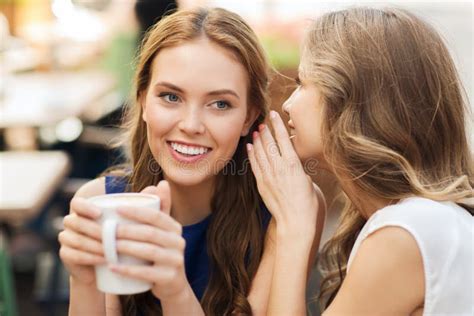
{"x":169,"y":97}
{"x":173,"y":98}
{"x":220,"y":103}
{"x":298,"y":81}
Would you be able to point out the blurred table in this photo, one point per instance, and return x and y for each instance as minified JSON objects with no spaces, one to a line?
{"x":44,"y":98}
{"x":28,"y":181}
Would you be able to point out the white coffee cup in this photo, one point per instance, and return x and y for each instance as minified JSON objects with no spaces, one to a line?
{"x":107,"y":280}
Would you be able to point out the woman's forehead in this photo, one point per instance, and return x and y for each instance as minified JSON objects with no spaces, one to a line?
{"x":201,"y":63}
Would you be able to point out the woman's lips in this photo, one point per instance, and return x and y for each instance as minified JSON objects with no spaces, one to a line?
{"x":290,"y":124}
{"x":292,"y":129}
{"x":184,"y":158}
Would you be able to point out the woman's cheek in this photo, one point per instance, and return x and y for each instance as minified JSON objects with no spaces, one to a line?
{"x":160,"y":120}
{"x":228,"y":132}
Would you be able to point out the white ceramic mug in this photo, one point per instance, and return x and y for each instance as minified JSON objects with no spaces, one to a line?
{"x":107,"y":280}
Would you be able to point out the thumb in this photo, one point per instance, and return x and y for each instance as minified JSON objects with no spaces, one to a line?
{"x":164,"y":192}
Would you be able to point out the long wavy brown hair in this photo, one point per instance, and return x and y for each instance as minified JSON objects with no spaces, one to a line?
{"x":235,"y":234}
{"x":394,"y":118}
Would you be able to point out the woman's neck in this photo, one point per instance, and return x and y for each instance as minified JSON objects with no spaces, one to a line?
{"x":191,"y":204}
{"x":365,"y":203}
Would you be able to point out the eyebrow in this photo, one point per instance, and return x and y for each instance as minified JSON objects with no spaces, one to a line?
{"x":215,"y":92}
{"x":169,"y":85}
{"x":224,"y":91}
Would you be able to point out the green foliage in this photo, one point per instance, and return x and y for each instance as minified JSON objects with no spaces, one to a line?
{"x":119,"y":59}
{"x":283,"y":53}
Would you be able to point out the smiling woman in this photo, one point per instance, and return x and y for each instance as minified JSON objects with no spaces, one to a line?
{"x":193,"y":111}
{"x":187,"y":119}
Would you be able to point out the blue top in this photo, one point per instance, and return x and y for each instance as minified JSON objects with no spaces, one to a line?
{"x":196,"y":260}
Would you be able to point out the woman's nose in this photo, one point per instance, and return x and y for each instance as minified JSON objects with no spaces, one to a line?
{"x":191,"y":122}
{"x":287,"y":104}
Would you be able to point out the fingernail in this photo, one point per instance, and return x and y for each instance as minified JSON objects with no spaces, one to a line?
{"x":249,"y":147}
{"x":261,"y":127}
{"x":255,"y":135}
{"x":273,"y":114}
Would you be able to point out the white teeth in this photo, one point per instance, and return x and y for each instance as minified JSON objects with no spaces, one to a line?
{"x":189,"y":150}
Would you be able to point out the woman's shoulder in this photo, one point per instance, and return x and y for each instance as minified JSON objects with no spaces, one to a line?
{"x":432,"y":223}
{"x":389,"y":259}
{"x":91,"y":188}
{"x":429,"y":236}
{"x":108,"y":183}
{"x":435,"y":226}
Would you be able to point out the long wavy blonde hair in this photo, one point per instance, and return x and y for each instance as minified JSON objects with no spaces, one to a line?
{"x":394,"y":118}
{"x":235,"y":234}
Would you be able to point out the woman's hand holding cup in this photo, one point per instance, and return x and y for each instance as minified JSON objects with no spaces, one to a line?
{"x":148,"y":243}
{"x":157,"y":239}
{"x":81,"y":247}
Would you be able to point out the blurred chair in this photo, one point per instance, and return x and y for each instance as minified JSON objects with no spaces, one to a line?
{"x":7,"y":290}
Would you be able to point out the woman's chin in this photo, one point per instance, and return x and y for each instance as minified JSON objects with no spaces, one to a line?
{"x":187,"y":179}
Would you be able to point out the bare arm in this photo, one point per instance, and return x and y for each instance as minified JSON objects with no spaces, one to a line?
{"x":85,"y":299}
{"x":112,"y":305}
{"x":295,"y":256}
{"x":385,"y":278}
{"x":261,"y":284}
{"x":186,"y":303}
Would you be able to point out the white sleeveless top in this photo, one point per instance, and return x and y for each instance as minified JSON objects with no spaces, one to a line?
{"x":444,"y":233}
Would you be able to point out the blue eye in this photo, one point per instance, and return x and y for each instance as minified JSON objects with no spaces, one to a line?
{"x":221,"y":105}
{"x":169,"y":97}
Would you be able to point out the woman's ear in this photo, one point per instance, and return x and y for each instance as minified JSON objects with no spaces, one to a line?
{"x":252,"y":115}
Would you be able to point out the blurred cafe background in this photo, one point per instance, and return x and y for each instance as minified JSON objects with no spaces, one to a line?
{"x":65,"y":75}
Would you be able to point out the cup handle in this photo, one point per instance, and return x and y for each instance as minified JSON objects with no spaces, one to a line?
{"x":109,"y":242}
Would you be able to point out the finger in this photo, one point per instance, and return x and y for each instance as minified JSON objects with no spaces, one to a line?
{"x":164,"y":192}
{"x":150,"y":234}
{"x":262,"y":183}
{"x":282,"y":137}
{"x":83,"y":226}
{"x":269,"y":145}
{"x":152,"y":217}
{"x":152,"y":274}
{"x":74,"y":256}
{"x":253,"y":163}
{"x":77,"y":241}
{"x":150,"y":252}
{"x":149,"y":190}
{"x":84,"y":208}
{"x":260,"y":155}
